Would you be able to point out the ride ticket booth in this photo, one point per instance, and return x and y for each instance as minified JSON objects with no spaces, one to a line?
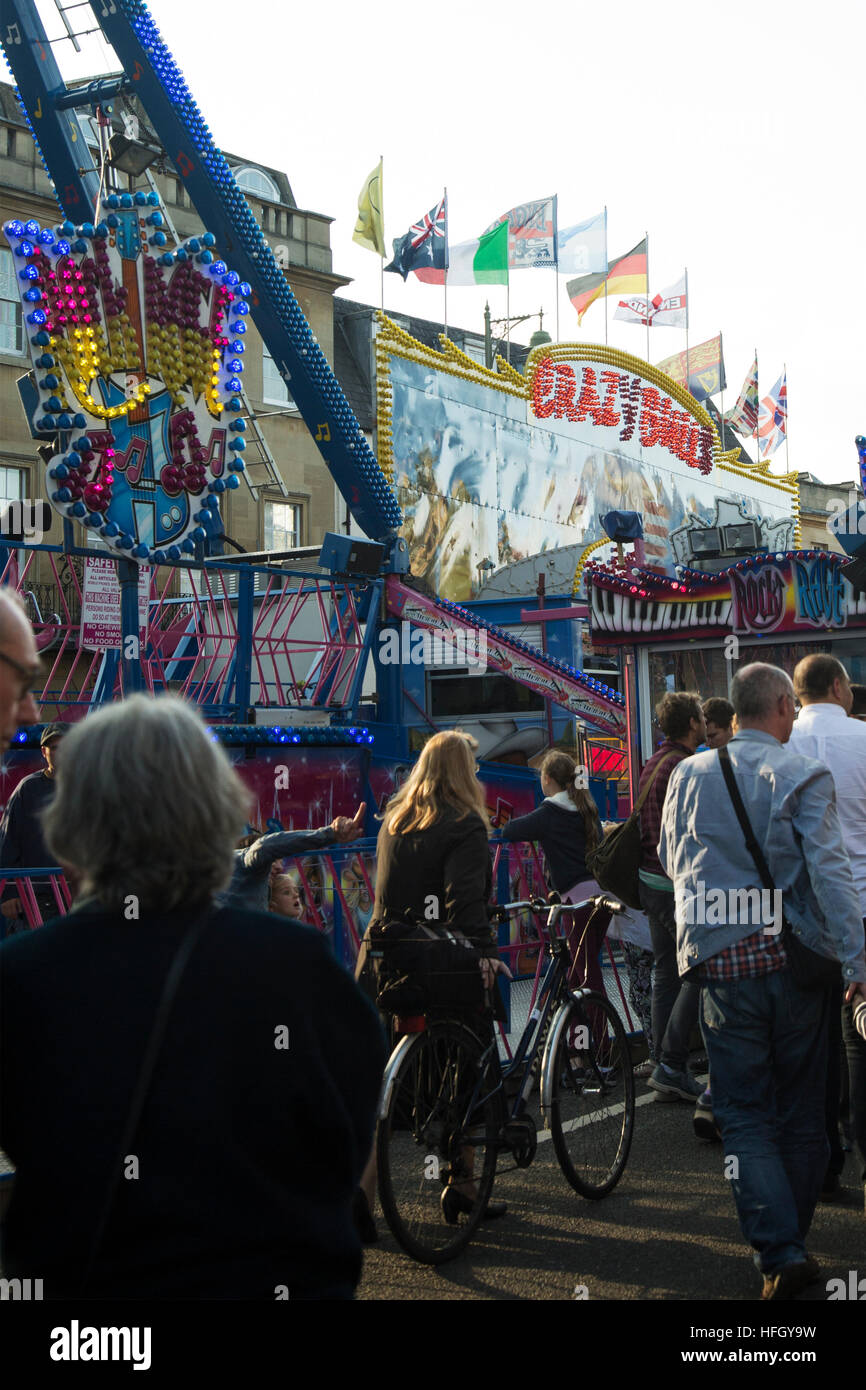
{"x":694,"y":631}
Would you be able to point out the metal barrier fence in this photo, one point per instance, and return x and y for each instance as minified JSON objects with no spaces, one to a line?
{"x":225,"y":636}
{"x":338,"y":891}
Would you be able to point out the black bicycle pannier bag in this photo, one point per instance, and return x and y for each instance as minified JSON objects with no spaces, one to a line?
{"x":420,"y":967}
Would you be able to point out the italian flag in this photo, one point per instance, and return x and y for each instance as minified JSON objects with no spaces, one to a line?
{"x":483,"y":261}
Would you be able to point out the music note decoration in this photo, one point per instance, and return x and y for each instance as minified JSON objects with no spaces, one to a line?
{"x":137,"y":354}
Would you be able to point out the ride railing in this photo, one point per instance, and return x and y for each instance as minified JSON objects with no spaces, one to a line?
{"x":225,"y":636}
{"x":338,"y":889}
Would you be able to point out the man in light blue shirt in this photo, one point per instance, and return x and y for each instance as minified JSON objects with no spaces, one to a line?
{"x":824,"y":731}
{"x":765,"y":1035}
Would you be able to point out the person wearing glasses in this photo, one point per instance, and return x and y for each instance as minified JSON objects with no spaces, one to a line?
{"x":22,"y":843}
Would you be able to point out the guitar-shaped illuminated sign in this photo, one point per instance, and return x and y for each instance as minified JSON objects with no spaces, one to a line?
{"x":137,"y":355}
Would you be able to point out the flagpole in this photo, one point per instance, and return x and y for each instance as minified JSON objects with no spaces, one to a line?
{"x":758,"y":409}
{"x":556,"y":259}
{"x":508,"y":315}
{"x":687,"y":357}
{"x":721,"y":387}
{"x":382,"y":261}
{"x":785,"y":380}
{"x":647,"y":298}
{"x":606,"y":270}
{"x":445,"y":277}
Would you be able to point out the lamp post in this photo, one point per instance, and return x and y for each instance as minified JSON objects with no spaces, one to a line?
{"x":538,"y":337}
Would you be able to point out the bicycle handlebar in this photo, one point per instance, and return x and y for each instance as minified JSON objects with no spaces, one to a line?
{"x":555,"y":904}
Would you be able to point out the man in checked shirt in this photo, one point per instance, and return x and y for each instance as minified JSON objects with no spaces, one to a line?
{"x":766,"y":1036}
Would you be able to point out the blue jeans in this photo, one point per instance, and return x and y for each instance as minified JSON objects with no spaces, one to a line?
{"x":766,"y":1041}
{"x":674,"y":1000}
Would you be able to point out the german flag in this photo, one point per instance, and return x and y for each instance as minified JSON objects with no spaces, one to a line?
{"x":625,"y":276}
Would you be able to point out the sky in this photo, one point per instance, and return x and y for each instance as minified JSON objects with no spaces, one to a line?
{"x":731,"y":134}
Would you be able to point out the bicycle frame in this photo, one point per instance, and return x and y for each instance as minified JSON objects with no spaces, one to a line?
{"x":552,"y":994}
{"x":443,"y":1101}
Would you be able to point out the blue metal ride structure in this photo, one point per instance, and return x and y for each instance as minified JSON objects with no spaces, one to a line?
{"x":152,"y":74}
{"x":155,"y":78}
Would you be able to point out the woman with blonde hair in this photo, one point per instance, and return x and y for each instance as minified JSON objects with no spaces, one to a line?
{"x":567,"y":826}
{"x":433,"y":865}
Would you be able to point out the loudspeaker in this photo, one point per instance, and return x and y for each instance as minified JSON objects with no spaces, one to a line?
{"x":350,"y":554}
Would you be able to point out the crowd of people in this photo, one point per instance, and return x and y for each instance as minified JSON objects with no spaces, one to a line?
{"x":774,"y":815}
{"x":181,"y":1033}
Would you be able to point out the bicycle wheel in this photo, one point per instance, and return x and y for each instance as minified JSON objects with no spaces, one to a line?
{"x":437,"y":1128}
{"x":590,"y":1095}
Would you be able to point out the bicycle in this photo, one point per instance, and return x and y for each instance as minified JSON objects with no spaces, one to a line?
{"x":443,"y":1118}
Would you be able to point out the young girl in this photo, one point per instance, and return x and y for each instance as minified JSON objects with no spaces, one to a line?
{"x":567,"y":826}
{"x":285,"y":897}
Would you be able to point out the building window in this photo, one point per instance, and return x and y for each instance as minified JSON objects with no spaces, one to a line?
{"x":12,"y":484}
{"x":274,"y":389}
{"x":16,"y":520}
{"x":282,"y":525}
{"x":11,"y":325}
{"x":10,"y":142}
{"x":257,"y":182}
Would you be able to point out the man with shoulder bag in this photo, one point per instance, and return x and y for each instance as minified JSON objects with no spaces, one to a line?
{"x":767,"y":911}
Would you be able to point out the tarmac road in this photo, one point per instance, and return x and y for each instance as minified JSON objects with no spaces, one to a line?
{"x":668,"y":1231}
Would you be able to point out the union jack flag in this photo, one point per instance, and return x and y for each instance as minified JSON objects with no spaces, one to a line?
{"x":431,"y":224}
{"x":743,"y":417}
{"x":424,"y":248}
{"x":773,"y":418}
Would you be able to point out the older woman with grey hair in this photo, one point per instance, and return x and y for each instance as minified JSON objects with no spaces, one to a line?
{"x":263,"y":1059}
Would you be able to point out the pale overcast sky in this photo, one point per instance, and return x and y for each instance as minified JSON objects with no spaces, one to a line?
{"x":731,"y":133}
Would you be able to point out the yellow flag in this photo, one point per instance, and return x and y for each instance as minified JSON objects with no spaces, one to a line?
{"x":370,"y":228}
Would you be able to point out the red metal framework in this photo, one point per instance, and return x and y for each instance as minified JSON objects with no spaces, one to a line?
{"x":300,"y":639}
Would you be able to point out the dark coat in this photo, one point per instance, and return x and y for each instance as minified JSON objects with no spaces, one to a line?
{"x":562,"y":835}
{"x":444,"y":869}
{"x":248,"y":1152}
{"x":22,"y":843}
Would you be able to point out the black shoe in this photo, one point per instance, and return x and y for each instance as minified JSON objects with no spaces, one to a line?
{"x":456,"y":1203}
{"x":363,"y":1219}
{"x":830,"y":1188}
{"x":791,"y":1279}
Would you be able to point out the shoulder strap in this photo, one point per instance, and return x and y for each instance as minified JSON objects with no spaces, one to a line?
{"x":635,"y":810}
{"x":145,"y":1075}
{"x":745,"y":824}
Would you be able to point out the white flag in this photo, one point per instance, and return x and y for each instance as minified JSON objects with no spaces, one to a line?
{"x":666,"y":310}
{"x":531,"y":234}
{"x":632,"y":310}
{"x":582,"y":249}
